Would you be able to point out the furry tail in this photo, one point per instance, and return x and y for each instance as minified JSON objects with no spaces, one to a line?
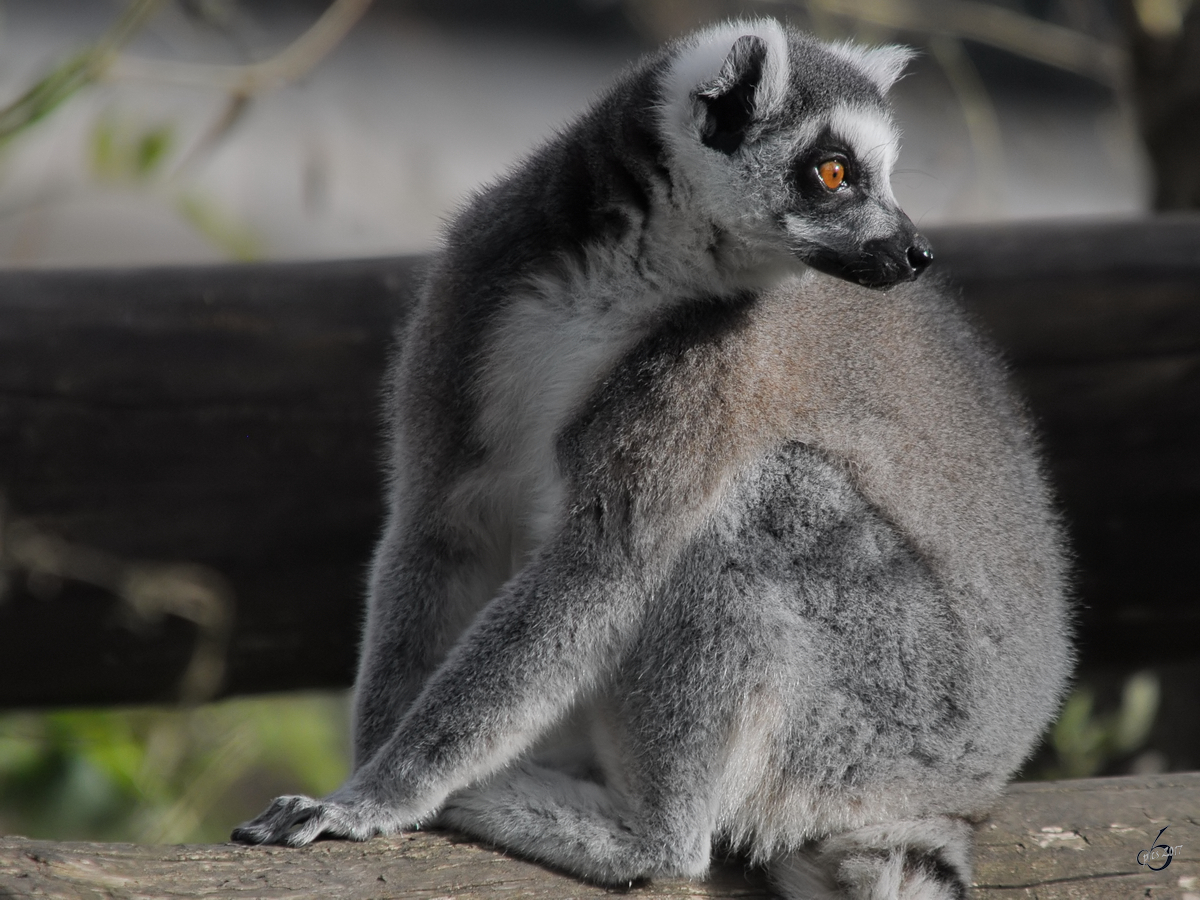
{"x":922,"y":859}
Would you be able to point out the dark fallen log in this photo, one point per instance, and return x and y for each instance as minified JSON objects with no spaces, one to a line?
{"x":1050,"y":840}
{"x":226,"y":417}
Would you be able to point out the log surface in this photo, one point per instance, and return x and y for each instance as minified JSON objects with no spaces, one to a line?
{"x":1050,"y":841}
{"x":228,"y":416}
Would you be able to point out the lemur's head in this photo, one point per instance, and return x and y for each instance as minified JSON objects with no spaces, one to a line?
{"x":788,"y":144}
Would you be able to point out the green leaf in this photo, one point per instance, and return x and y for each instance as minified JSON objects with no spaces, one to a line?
{"x":1139,"y":709}
{"x":127,"y":153}
{"x":152,"y":149}
{"x":236,"y":239}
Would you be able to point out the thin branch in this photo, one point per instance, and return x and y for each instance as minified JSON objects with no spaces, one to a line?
{"x":995,"y":26}
{"x":149,"y":591}
{"x":78,"y":71}
{"x":979,"y":116}
{"x":296,"y":60}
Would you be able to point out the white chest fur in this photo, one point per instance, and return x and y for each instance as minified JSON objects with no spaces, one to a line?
{"x":552,"y":348}
{"x":559,"y":337}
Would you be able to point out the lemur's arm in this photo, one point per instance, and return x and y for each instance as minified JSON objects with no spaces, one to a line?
{"x":550,"y":634}
{"x":643,"y":466}
{"x":424,"y":591}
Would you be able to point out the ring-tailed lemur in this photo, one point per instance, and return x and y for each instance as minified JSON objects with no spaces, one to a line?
{"x":686,"y":543}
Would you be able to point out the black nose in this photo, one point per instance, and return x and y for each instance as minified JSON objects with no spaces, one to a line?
{"x":920,"y":254}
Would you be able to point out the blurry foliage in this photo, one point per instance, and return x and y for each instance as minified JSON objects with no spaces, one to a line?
{"x":126,"y":155}
{"x":160,"y":775}
{"x":154,"y":774}
{"x":45,"y":96}
{"x":222,"y":229}
{"x":1161,"y":18}
{"x":120,"y":152}
{"x":76,"y":72}
{"x":1086,"y":742}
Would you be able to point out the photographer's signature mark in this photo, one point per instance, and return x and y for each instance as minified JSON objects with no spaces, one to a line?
{"x":1158,"y":853}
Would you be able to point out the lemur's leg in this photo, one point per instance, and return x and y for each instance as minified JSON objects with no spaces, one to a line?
{"x":667,"y":726}
{"x":428,"y":580}
{"x":662,"y":745}
{"x":596,"y":831}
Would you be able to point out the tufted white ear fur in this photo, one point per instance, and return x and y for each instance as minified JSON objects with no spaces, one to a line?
{"x":883,"y":65}
{"x":703,"y":58}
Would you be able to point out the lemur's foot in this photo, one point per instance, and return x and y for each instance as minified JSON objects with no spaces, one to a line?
{"x":296,"y":820}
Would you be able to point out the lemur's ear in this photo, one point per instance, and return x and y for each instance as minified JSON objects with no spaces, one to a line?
{"x":883,"y":65}
{"x":729,"y":99}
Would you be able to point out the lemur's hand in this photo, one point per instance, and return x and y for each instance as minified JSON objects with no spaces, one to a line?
{"x":297,"y":820}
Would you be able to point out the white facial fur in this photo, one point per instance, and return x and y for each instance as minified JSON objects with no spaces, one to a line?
{"x":873,"y":139}
{"x":883,"y":65}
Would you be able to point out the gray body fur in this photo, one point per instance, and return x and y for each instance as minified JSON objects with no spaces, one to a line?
{"x":687,"y":544}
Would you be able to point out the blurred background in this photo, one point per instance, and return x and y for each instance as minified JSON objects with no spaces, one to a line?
{"x":189,"y":131}
{"x":174,"y":148}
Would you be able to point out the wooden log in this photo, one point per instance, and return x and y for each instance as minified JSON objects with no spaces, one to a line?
{"x":221,"y":415}
{"x":227,"y":416}
{"x":1050,"y":841}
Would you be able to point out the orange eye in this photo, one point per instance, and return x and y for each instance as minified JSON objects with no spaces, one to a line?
{"x":832,"y":173}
